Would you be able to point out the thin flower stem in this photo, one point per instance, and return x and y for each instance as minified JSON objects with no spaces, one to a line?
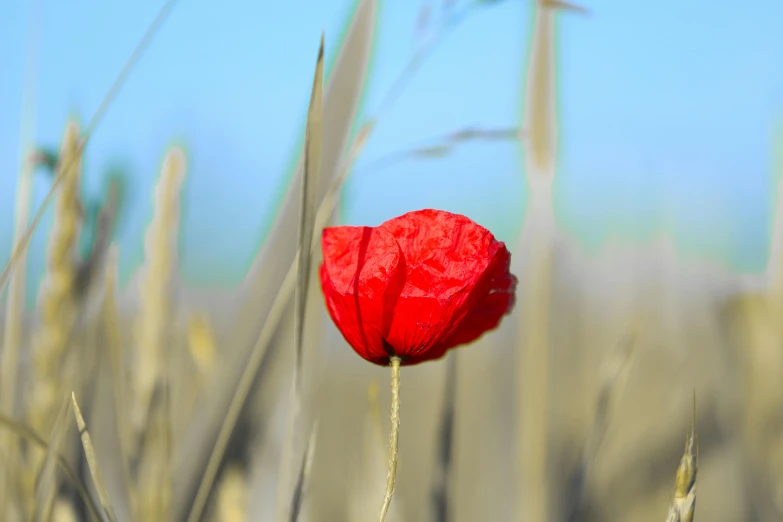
{"x":394,"y":438}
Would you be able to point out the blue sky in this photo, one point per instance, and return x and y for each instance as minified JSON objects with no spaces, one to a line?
{"x":662,"y":105}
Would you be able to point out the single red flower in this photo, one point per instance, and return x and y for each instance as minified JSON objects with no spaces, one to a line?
{"x":415,"y":286}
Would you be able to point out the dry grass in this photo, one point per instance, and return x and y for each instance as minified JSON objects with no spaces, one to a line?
{"x":288,"y":486}
{"x":683,"y":506}
{"x":92,"y":462}
{"x":151,"y":430}
{"x":225,"y":407}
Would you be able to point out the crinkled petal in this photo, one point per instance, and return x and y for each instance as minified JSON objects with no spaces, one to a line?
{"x":492,"y":298}
{"x":420,"y":323}
{"x":447,"y":257}
{"x":361,"y":277}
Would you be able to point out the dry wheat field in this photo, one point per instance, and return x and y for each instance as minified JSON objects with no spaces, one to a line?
{"x":621,"y":386}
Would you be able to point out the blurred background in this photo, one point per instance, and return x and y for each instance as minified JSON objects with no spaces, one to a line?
{"x":661,"y":205}
{"x":667,"y":116}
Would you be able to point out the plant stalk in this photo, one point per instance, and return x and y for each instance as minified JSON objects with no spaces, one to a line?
{"x":394,"y":437}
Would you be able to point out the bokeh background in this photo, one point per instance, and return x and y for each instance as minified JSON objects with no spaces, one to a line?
{"x":667,"y":117}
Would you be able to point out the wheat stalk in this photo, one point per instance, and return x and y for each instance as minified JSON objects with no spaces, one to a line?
{"x":683,"y":504}
{"x":152,"y":338}
{"x":57,"y":308}
{"x":56,"y":303}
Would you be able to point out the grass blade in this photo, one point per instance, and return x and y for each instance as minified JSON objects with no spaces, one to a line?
{"x":312,"y":164}
{"x":46,"y":486}
{"x":92,"y":462}
{"x":111,"y":324}
{"x":15,"y":304}
{"x":28,"y":434}
{"x":441,"y":489}
{"x":683,"y":504}
{"x":303,"y":479}
{"x":615,"y":369}
{"x":12,"y":335}
{"x":312,"y":159}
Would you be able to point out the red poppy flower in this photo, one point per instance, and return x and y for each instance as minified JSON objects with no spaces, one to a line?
{"x":416,"y":285}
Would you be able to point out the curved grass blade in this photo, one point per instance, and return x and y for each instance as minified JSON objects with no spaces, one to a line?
{"x":92,"y":462}
{"x":110,"y":402}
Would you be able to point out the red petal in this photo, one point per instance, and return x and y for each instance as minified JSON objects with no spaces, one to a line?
{"x":361,"y":277}
{"x":493,"y":298}
{"x":447,"y":257}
